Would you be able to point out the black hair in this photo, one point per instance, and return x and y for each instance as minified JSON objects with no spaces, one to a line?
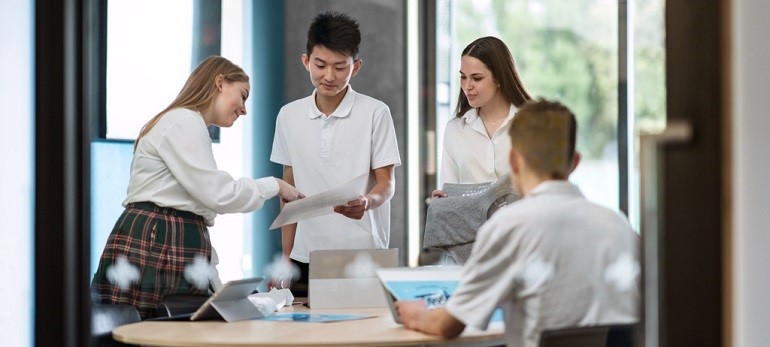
{"x":336,"y":31}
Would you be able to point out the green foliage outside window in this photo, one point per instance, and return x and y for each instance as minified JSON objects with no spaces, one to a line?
{"x":568,"y":50}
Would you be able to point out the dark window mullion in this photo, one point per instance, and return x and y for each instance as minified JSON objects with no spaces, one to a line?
{"x":207,"y":38}
{"x":624,"y":30}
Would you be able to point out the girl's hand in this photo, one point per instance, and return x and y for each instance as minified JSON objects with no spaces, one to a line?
{"x":287,"y":192}
{"x":438,"y":193}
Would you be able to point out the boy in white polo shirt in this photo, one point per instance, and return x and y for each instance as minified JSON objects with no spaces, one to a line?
{"x":552,"y":259}
{"x":331,"y":137}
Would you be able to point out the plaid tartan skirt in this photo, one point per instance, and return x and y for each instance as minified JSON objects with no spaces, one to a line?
{"x":161,"y":243}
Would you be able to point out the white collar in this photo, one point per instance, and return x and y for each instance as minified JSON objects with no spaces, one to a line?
{"x":343,"y":109}
{"x":471,"y":115}
{"x":555,"y":187}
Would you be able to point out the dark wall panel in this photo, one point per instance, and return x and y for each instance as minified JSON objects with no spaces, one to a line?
{"x":692,"y":225}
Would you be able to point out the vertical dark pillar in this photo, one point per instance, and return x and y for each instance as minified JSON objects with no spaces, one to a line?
{"x":427,"y":92}
{"x":693,"y":203}
{"x":624,"y":31}
{"x":62,"y":143}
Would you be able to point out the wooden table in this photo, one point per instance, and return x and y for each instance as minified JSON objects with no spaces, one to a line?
{"x":379,"y":330}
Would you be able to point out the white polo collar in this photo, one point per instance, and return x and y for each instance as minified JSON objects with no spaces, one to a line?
{"x":555,"y":187}
{"x":343,"y":109}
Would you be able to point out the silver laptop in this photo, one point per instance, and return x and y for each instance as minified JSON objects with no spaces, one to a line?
{"x":231,"y":302}
{"x":348,"y":278}
{"x":433,"y":284}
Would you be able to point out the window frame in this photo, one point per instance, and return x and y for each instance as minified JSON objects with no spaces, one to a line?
{"x":207,"y":18}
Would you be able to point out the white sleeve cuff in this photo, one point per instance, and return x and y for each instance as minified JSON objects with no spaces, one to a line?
{"x":268,"y":187}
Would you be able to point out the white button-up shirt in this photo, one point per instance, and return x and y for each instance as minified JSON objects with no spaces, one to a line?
{"x":469,"y":155}
{"x":551,"y":260}
{"x":174,"y":166}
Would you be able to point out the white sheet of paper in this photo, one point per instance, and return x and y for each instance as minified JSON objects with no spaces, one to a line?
{"x":319,"y":204}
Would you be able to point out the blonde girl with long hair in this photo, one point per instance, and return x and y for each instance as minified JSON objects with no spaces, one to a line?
{"x":160,"y":244}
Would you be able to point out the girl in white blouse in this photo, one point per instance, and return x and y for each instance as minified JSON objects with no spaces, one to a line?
{"x":160,"y":244}
{"x":476,"y":142}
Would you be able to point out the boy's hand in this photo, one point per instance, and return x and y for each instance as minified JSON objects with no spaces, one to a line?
{"x":278,"y":284}
{"x":416,"y":316}
{"x":410,"y":312}
{"x":354,"y":208}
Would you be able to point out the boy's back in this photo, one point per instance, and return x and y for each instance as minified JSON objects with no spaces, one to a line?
{"x":560,"y":261}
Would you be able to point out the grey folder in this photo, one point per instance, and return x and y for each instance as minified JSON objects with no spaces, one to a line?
{"x":231,"y":302}
{"x":348,"y":278}
{"x":451,"y":222}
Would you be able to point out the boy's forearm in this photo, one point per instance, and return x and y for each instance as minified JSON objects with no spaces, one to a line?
{"x":439,"y":322}
{"x":380,"y":194}
{"x":287,"y":239}
{"x":288,"y":231}
{"x":384,"y":187}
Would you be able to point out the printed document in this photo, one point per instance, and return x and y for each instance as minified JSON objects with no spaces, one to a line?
{"x":320,"y":204}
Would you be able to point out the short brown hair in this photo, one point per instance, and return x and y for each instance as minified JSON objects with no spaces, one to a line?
{"x":543,"y":132}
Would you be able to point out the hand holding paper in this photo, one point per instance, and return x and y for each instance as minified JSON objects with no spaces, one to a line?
{"x":353,"y":209}
{"x":320,"y":204}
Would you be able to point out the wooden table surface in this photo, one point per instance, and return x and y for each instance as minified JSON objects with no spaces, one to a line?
{"x":380,"y":330}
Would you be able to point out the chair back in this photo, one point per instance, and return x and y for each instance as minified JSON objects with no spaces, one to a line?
{"x":179,"y":304}
{"x":105,"y":317}
{"x":615,"y":335}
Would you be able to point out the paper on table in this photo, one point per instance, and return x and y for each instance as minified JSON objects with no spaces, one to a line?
{"x":272,"y":301}
{"x":320,"y":204}
{"x":312,"y":317}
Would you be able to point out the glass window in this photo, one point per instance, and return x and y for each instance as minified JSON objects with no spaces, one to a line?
{"x":568,"y":50}
{"x":149,"y":49}
{"x":648,"y":80}
{"x":147,"y":65}
{"x":649,"y":65}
